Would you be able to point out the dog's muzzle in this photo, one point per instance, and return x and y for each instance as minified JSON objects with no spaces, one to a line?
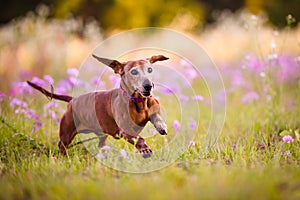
{"x":147,"y":89}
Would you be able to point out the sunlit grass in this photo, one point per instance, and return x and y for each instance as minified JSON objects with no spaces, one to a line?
{"x":250,"y":160}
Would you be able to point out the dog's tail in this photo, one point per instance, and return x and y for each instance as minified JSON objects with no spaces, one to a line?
{"x":65,"y":98}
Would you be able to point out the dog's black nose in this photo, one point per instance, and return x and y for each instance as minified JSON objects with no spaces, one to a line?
{"x":147,"y":86}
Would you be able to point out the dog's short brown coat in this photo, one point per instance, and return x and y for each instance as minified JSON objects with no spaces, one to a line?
{"x":113,"y":113}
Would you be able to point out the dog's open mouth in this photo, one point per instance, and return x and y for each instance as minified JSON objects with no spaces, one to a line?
{"x":146,"y":93}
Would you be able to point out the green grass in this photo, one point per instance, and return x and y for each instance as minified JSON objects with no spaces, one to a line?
{"x":248,"y":162}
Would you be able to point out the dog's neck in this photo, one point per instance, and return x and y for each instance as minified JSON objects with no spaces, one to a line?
{"x":132,"y":98}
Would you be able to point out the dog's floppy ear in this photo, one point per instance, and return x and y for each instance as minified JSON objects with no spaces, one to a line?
{"x":153,"y":59}
{"x":114,"y":64}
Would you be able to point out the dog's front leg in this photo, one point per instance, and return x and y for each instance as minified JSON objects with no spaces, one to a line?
{"x":159,"y":124}
{"x":139,"y":143}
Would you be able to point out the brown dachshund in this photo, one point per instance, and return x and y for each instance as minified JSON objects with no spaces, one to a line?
{"x":121,"y":112}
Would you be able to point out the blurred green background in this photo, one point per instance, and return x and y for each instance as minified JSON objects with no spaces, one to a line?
{"x":125,"y":14}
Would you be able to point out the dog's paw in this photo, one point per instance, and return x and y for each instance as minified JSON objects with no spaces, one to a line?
{"x":144,"y":149}
{"x":146,"y":152}
{"x":162,"y":131}
{"x":161,"y":128}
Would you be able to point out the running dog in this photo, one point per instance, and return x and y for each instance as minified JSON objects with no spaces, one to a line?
{"x":121,"y":113}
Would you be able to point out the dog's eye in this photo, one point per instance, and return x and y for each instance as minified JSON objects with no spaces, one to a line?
{"x":134,"y":72}
{"x":150,"y":70}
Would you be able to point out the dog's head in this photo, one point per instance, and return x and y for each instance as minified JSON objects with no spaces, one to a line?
{"x":136,"y":75}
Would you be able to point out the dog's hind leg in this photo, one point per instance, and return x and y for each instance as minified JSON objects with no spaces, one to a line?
{"x":102,"y":140}
{"x":67,"y":131}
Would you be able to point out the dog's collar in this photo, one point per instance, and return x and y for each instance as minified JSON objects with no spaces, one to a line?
{"x":132,"y":98}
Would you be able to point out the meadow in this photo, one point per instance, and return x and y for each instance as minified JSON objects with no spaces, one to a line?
{"x":256,"y":156}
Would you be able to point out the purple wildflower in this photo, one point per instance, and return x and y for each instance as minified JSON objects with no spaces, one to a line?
{"x":191,"y":74}
{"x":185,"y":63}
{"x":287,"y":139}
{"x":19,"y":88}
{"x":288,"y":153}
{"x":31,"y":114}
{"x":96,"y":81}
{"x":289,"y":69}
{"x":38,"y":81}
{"x":100,"y":156}
{"x":20,"y":111}
{"x":176,"y":125}
{"x":73,"y":72}
{"x":62,"y":87}
{"x":169,"y":90}
{"x":253,"y":63}
{"x":106,"y":148}
{"x":72,"y":81}
{"x":250,"y":97}
{"x":114,"y":80}
{"x":237,"y":79}
{"x":37,"y":125}
{"x":52,"y":114}
{"x":51,"y":104}
{"x":49,"y":79}
{"x":153,"y":131}
{"x":1,"y":96}
{"x":18,"y":102}
{"x":192,"y":143}
{"x":183,"y":98}
{"x":198,"y":98}
{"x":193,"y":125}
{"x":123,"y":153}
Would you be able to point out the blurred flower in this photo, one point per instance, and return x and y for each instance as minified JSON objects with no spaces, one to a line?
{"x":37,"y":126}
{"x":253,"y":63}
{"x":273,"y":44}
{"x":51,"y":104}
{"x":297,"y":60}
{"x":183,"y":98}
{"x":287,"y":139}
{"x":189,"y":70}
{"x":106,"y":148}
{"x":49,"y":79}
{"x":18,"y":88}
{"x":289,"y":69}
{"x":290,"y":103}
{"x":100,"y":156}
{"x":185,"y":63}
{"x":52,"y":114}
{"x":273,"y":56}
{"x":237,"y":79}
{"x":31,"y":114}
{"x":96,"y":81}
{"x":1,"y":96}
{"x":192,"y":143}
{"x":73,"y":72}
{"x":72,"y":81}
{"x":262,"y":74}
{"x":169,"y":90}
{"x":176,"y":125}
{"x":153,"y":131}
{"x":20,"y":111}
{"x":288,"y":153}
{"x":38,"y":81}
{"x":198,"y":98}
{"x":123,"y":153}
{"x":114,"y":80}
{"x":18,"y":102}
{"x":193,"y":125}
{"x":62,"y":87}
{"x":190,"y":74}
{"x":250,"y":97}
